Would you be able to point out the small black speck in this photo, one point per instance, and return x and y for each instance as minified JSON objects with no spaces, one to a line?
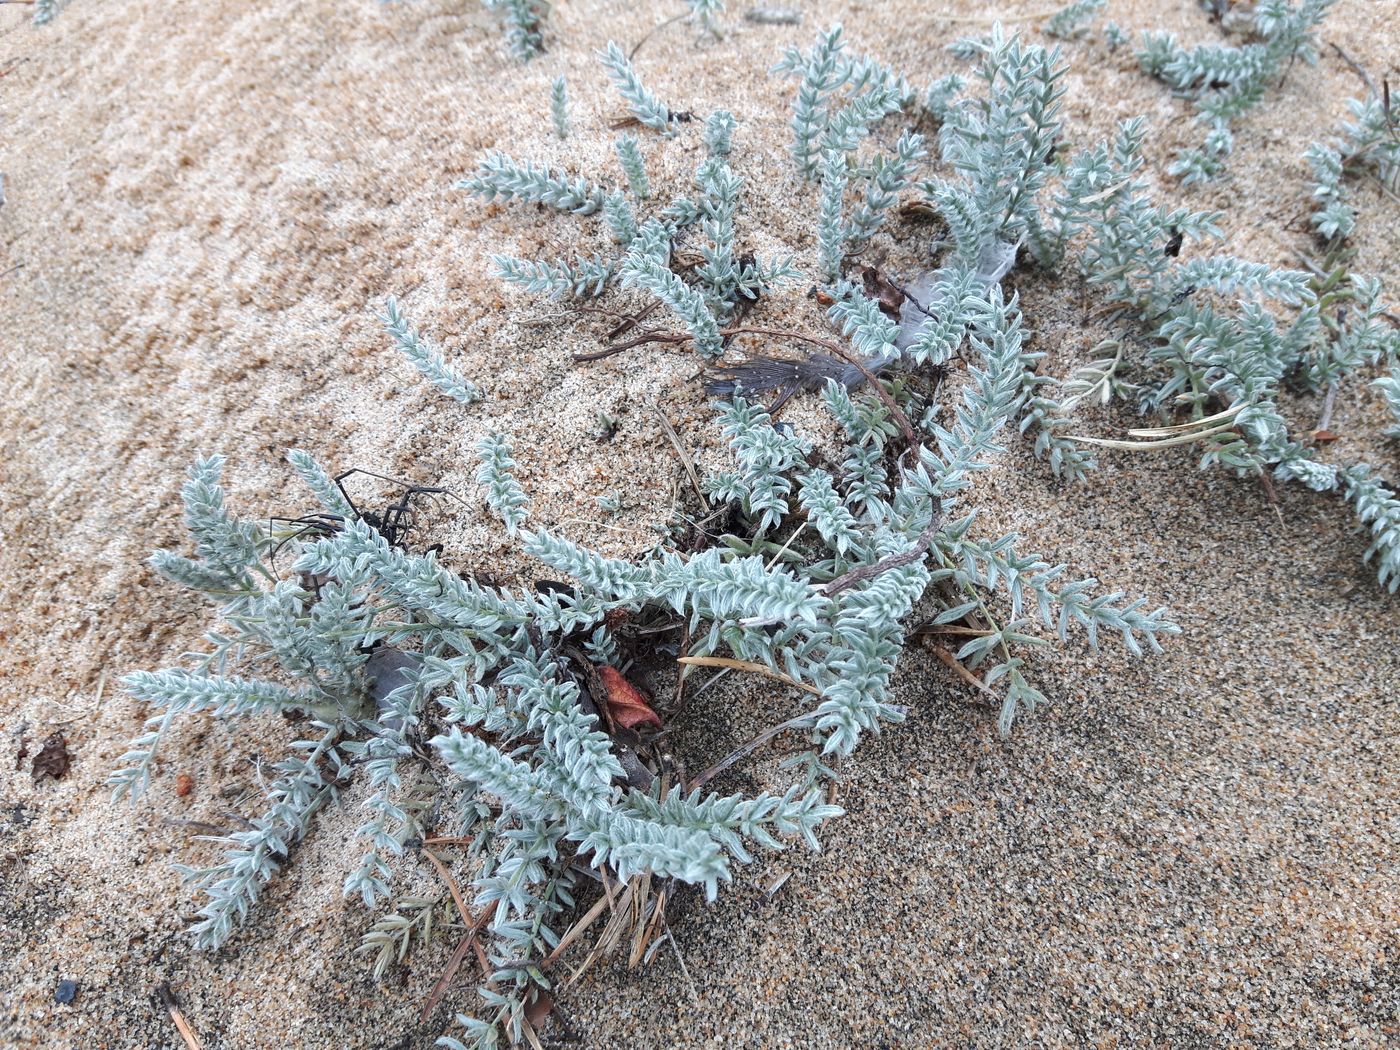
{"x":66,"y":992}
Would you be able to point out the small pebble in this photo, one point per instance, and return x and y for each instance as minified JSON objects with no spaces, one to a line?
{"x":66,"y":992}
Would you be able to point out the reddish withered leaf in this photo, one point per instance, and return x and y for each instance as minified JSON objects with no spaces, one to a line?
{"x":627,"y":705}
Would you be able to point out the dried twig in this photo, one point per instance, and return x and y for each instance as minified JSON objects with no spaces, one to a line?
{"x":1356,"y":68}
{"x":1328,"y":403}
{"x":652,"y":31}
{"x":167,"y":1000}
{"x":955,"y":665}
{"x":800,"y":722}
{"x":469,"y":940}
{"x":894,"y":561}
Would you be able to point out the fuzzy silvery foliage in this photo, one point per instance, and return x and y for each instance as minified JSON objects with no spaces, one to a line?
{"x":629,"y":156}
{"x":1389,"y":386}
{"x":647,"y":267}
{"x":938,"y":99}
{"x":725,"y":280}
{"x":559,"y":106}
{"x":580,"y":278}
{"x":641,"y":103}
{"x":707,"y":13}
{"x":839,"y":98}
{"x":887,"y":177}
{"x":426,"y":358}
{"x":719,"y":133}
{"x":1379,"y":511}
{"x":764,"y":455}
{"x":1074,"y":19}
{"x":1224,"y":335}
{"x":1334,"y":218}
{"x":1369,"y":144}
{"x":496,"y":476}
{"x":360,"y":635}
{"x":523,"y":20}
{"x":831,"y":227}
{"x":287,"y":630}
{"x":620,"y":217}
{"x":1226,"y":82}
{"x":1002,"y":145}
{"x":1371,"y":139}
{"x":499,"y":176}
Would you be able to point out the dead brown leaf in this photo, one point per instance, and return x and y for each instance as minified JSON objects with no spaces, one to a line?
{"x":52,"y":760}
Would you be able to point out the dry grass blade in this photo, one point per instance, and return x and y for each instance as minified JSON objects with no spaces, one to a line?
{"x":644,"y":908}
{"x":1181,"y":428}
{"x":800,"y":722}
{"x":1148,"y":446}
{"x":451,"y":887}
{"x":684,"y":456}
{"x":576,"y":931}
{"x":745,"y":665}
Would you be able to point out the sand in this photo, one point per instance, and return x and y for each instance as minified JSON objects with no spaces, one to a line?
{"x":204,"y":202}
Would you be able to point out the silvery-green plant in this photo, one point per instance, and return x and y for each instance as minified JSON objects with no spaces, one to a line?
{"x":1372,"y":139}
{"x":1334,"y":218}
{"x":523,"y":20}
{"x":726,"y":278}
{"x":424,"y":357}
{"x":559,"y":106}
{"x":629,"y":155}
{"x":839,"y":98}
{"x":1220,"y":345}
{"x":499,"y":176}
{"x":1002,"y":145}
{"x":719,"y":133}
{"x":886,"y":178}
{"x":1226,"y":82}
{"x":1368,"y":145}
{"x":939,"y":96}
{"x":648,"y":110}
{"x":1379,"y":510}
{"x":496,"y":476}
{"x":1074,"y":19}
{"x":1389,"y":386}
{"x":707,"y":13}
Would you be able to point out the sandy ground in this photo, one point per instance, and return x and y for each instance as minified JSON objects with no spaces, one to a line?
{"x":203,"y":203}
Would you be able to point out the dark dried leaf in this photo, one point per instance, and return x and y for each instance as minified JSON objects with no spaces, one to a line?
{"x":53,"y":760}
{"x":878,"y":287}
{"x":541,"y":1006}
